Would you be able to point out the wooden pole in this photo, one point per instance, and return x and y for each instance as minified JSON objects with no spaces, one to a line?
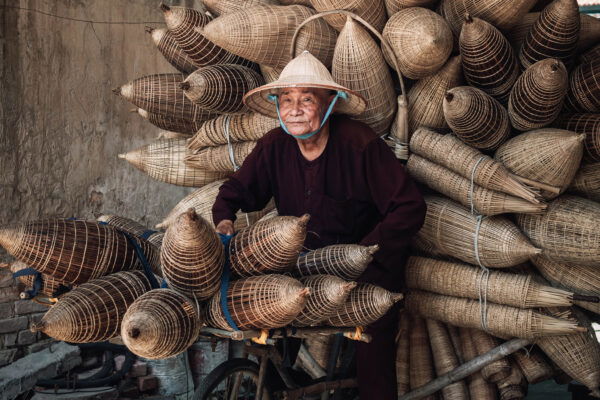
{"x":466,"y":369}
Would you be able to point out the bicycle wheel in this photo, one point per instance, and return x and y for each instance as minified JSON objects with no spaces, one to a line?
{"x":234,"y":379}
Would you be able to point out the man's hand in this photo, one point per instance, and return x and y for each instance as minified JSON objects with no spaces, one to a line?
{"x":225,"y":227}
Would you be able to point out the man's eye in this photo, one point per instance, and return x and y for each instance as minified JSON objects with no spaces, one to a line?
{"x":307,"y":99}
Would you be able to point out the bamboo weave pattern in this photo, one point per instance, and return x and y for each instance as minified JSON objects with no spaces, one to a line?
{"x":584,"y":123}
{"x":174,"y":124}
{"x":219,"y":158}
{"x":238,"y":128}
{"x":584,"y":88}
{"x":587,"y":182}
{"x":372,"y":11}
{"x":346,"y":261}
{"x":167,"y":45}
{"x":365,"y":305}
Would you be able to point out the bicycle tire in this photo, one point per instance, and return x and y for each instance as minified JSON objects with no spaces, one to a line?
{"x":223,"y":371}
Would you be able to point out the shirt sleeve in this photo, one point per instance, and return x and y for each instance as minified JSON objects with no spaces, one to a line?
{"x":248,"y":189}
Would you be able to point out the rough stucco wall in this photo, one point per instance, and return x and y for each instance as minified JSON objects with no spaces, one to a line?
{"x":61,"y":127}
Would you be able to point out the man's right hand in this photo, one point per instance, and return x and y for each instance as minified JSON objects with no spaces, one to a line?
{"x":225,"y":227}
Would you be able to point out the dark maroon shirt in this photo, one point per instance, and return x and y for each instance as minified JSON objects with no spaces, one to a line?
{"x":356,"y":191}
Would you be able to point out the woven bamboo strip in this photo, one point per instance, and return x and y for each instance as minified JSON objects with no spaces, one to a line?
{"x":268,"y":246}
{"x":238,"y":128}
{"x":445,"y":359}
{"x":218,"y":158}
{"x":421,"y":41}
{"x":589,"y":124}
{"x":269,"y":73}
{"x":484,"y":201}
{"x":292,"y":2}
{"x":426,"y":97}
{"x":478,"y":387}
{"x":346,"y":261}
{"x":192,"y":256}
{"x":488,"y":60}
{"x":553,"y":34}
{"x":134,"y":228}
{"x":180,"y":125}
{"x":456,"y":232}
{"x":550,"y":156}
{"x":264,"y":34}
{"x":538,"y":95}
{"x":502,"y":320}
{"x":497,"y":370}
{"x":74,"y":251}
{"x":167,"y":45}
{"x":422,"y":246}
{"x":371,"y":11}
{"x":160,"y":324}
{"x":220,"y":88}
{"x":533,"y":365}
{"x":567,"y":232}
{"x":358,"y":64}
{"x":220,"y":7}
{"x":327,"y":294}
{"x":421,"y":362}
{"x":365,"y":305}
{"x":587,"y":182}
{"x":514,"y":386}
{"x":50,"y":287}
{"x":584,"y":88}
{"x":163,"y":160}
{"x":93,"y":311}
{"x":259,"y":302}
{"x":393,"y":6}
{"x":462,"y":280}
{"x":590,"y":55}
{"x":403,"y":354}
{"x":577,"y":354}
{"x":449,"y":151}
{"x":589,"y":32}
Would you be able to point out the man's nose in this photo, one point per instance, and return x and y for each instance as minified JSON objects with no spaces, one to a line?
{"x":295,"y":108}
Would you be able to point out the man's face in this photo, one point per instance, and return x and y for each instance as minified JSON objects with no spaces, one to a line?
{"x":303,"y":108}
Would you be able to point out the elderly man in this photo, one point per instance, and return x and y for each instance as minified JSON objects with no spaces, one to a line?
{"x":342,"y":174}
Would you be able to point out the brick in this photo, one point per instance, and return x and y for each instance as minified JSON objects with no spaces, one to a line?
{"x":29,"y":307}
{"x":26,"y":337}
{"x":7,"y":356}
{"x":139,"y":368}
{"x":10,"y":339}
{"x":39,"y":346}
{"x":13,"y":324}
{"x":10,"y":293}
{"x":6,"y":310}
{"x":147,"y":383}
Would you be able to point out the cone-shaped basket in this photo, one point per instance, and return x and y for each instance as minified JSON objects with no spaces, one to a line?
{"x":403,"y":354}
{"x":476,"y":118}
{"x":259,"y":302}
{"x":264,"y":34}
{"x":268,"y":246}
{"x":269,"y":73}
{"x":220,"y":7}
{"x":504,"y":321}
{"x":223,"y":158}
{"x":50,"y":287}
{"x":74,"y":251}
{"x":346,"y":261}
{"x":492,"y":241}
{"x":393,"y":6}
{"x":497,"y":370}
{"x":584,"y":123}
{"x":421,"y":362}
{"x":584,"y":88}
{"x":163,"y":160}
{"x":567,"y":232}
{"x":93,"y":311}
{"x":365,"y":305}
{"x":160,"y":324}
{"x":550,"y":156}
{"x":172,"y":124}
{"x":488,"y":60}
{"x":538,"y":95}
{"x":554,"y":34}
{"x":421,"y":41}
{"x":220,"y":88}
{"x":534,"y":365}
{"x":124,"y":223}
{"x":327,"y":294}
{"x":167,"y":45}
{"x":587,"y":182}
{"x":192,"y":256}
{"x":371,"y":11}
{"x":589,"y":55}
{"x":236,"y":128}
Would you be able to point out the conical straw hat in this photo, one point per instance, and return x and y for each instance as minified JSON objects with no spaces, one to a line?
{"x":303,"y":71}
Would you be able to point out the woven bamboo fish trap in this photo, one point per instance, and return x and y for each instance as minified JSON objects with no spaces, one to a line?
{"x":534,"y":366}
{"x":550,"y":156}
{"x":160,"y":324}
{"x":587,"y":182}
{"x":51,"y":287}
{"x":371,"y":11}
{"x":450,"y":152}
{"x":186,"y":26}
{"x":456,"y":232}
{"x":421,"y":362}
{"x":231,"y":129}
{"x":589,"y":124}
{"x":403,"y":354}
{"x":577,"y":354}
{"x":516,"y":35}
{"x":514,"y":386}
{"x":365,"y":305}
{"x":192,"y":256}
{"x":162,"y":94}
{"x":358,"y":64}
{"x":269,"y":246}
{"x":327,"y":294}
{"x":462,"y":280}
{"x":220,"y":7}
{"x":93,"y":311}
{"x":181,"y":125}
{"x":488,"y":60}
{"x":167,"y":45}
{"x":590,"y":55}
{"x":259,"y":302}
{"x":445,"y":359}
{"x":264,"y":34}
{"x":421,"y":41}
{"x":292,"y":2}
{"x":74,"y":251}
{"x":484,"y":201}
{"x":223,"y":158}
{"x":425,"y":247}
{"x":346,"y":261}
{"x":538,"y":95}
{"x":503,"y":321}
{"x":476,"y":118}
{"x":497,"y":370}
{"x":584,"y":88}
{"x":269,"y":73}
{"x":553,"y":35}
{"x":426,"y":97}
{"x":123,"y":223}
{"x":156,"y":239}
{"x":393,"y":6}
{"x":163,"y":160}
{"x":220,"y":88}
{"x":567,"y":232}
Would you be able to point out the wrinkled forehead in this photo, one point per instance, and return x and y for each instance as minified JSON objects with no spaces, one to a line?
{"x":304,"y":90}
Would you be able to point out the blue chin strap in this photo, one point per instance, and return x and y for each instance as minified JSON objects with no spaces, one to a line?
{"x":274,"y":98}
